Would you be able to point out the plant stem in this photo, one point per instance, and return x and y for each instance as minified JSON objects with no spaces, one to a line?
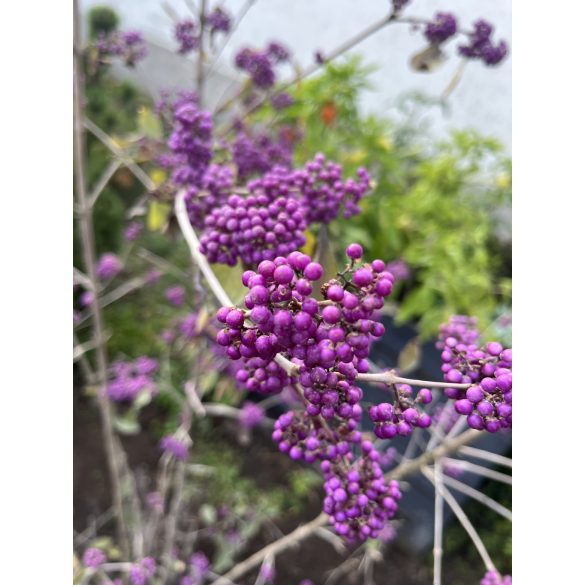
{"x":438,"y":540}
{"x":478,"y":496}
{"x":201,"y":56}
{"x":463,"y":519}
{"x":85,"y":224}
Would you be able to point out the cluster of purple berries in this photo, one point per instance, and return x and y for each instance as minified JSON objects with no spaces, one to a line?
{"x":306,"y":438}
{"x":493,"y":578}
{"x":188,"y":34}
{"x":218,"y":20}
{"x":253,"y":229}
{"x":357,"y":498}
{"x":459,"y":327}
{"x":481,"y":46}
{"x":259,"y":64}
{"x":213,"y":191}
{"x":191,"y":143}
{"x":93,"y":558}
{"x":258,"y":153}
{"x":403,"y":416}
{"x":441,"y":28}
{"x":328,"y":341}
{"x":142,"y":572}
{"x":325,"y":193}
{"x":108,"y":266}
{"x":128,"y":379}
{"x":256,"y":374}
{"x":175,"y":447}
{"x":487,"y":401}
{"x":128,"y":46}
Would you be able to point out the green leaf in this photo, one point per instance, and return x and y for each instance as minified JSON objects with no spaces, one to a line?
{"x":208,"y":514}
{"x":149,"y":123}
{"x":157,"y":216}
{"x":127,"y":425}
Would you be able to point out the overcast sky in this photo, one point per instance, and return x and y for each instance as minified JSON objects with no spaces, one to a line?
{"x":482,"y":100}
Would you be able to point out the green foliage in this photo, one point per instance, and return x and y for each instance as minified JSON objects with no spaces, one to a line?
{"x":102,"y":19}
{"x":432,"y":205}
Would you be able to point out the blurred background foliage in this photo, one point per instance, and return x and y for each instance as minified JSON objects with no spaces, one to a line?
{"x":435,"y":203}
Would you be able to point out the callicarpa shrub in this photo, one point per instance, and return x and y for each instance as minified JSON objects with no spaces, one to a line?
{"x":243,"y":193}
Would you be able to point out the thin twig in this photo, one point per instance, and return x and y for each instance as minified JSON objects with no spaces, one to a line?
{"x":454,"y":80}
{"x":200,"y":259}
{"x":463,"y":519}
{"x":201,"y":53}
{"x":228,"y":36}
{"x":484,"y":471}
{"x":390,"y":377}
{"x":486,"y":455}
{"x":479,"y":496}
{"x":107,"y":140}
{"x":438,"y":538}
{"x":103,"y":181}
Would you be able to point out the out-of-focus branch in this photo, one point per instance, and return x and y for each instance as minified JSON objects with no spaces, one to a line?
{"x":438,"y":538}
{"x":107,"y":141}
{"x":478,"y":496}
{"x":463,"y":519}
{"x":88,"y":249}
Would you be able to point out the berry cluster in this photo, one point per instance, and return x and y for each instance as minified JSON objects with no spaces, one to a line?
{"x":141,"y":573}
{"x":190,"y":143}
{"x":213,"y":191}
{"x":328,"y":342}
{"x":93,"y":558}
{"x":128,"y":46}
{"x":281,"y":101}
{"x":251,"y":415}
{"x":108,"y":266}
{"x":307,"y":438}
{"x":459,"y":327}
{"x":132,"y":231}
{"x":259,"y":64}
{"x":256,"y":374}
{"x":480,"y":45}
{"x":128,"y":379}
{"x":253,"y":229}
{"x":403,"y":416}
{"x":254,"y":154}
{"x":325,"y":193}
{"x":175,"y":447}
{"x":175,"y":295}
{"x":493,"y":578}
{"x":357,"y":498}
{"x":187,"y":35}
{"x":487,"y":402}
{"x":441,"y":28}
{"x":219,"y":20}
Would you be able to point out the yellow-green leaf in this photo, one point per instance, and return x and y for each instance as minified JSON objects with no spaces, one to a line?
{"x":157,"y":217}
